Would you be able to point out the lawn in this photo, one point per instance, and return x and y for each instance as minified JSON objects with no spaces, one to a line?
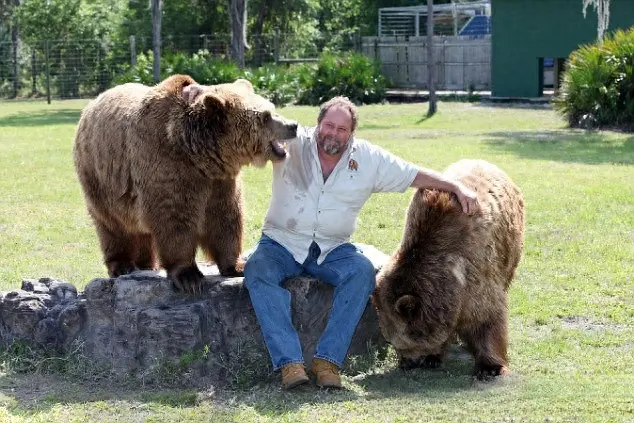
{"x":571,"y":304}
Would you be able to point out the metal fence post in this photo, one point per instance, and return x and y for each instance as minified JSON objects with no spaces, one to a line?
{"x":33,"y":72}
{"x":132,"y":51}
{"x":376,"y":48}
{"x":276,"y":46}
{"x":48,"y":75}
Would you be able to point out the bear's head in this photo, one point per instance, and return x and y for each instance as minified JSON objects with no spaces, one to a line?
{"x":241,"y":120}
{"x":418,"y":309}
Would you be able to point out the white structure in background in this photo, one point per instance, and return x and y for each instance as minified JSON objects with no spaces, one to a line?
{"x":470,"y":18}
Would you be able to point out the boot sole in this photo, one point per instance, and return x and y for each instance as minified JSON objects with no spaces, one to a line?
{"x":295,"y":382}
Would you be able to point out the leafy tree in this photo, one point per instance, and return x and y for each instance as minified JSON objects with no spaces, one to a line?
{"x":77,"y":35}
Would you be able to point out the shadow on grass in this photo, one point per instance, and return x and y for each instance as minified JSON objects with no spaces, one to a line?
{"x":31,"y":394}
{"x":41,"y":118}
{"x":566,"y":146}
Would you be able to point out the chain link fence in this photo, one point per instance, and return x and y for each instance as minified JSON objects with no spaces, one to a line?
{"x":83,"y":68}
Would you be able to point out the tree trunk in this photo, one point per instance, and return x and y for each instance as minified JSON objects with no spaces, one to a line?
{"x":259,"y":25}
{"x":156,"y":38}
{"x":238,"y":17}
{"x":15,"y":39}
{"x":431,"y":80}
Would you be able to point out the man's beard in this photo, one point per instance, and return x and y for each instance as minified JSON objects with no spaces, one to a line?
{"x":330,"y":145}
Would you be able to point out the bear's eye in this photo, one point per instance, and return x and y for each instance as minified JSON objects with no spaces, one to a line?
{"x":265,"y":116}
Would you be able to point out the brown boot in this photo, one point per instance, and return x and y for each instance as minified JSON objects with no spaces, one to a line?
{"x":327,"y":374}
{"x":293,"y":375}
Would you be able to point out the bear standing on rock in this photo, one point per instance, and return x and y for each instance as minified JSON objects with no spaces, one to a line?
{"x":451,"y":273}
{"x":160,"y":170}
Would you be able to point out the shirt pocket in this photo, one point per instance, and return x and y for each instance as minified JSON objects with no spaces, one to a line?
{"x":352,"y":193}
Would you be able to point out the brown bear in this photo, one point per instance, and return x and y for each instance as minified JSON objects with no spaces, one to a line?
{"x":160,"y":171}
{"x":450,"y":275}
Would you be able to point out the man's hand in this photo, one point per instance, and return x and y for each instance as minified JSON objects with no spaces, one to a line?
{"x":430,"y":179}
{"x":468,"y":199}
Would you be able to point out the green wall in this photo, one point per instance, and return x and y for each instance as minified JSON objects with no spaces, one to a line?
{"x":526,"y":30}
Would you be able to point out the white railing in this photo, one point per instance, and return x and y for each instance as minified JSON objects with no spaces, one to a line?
{"x":410,"y":21}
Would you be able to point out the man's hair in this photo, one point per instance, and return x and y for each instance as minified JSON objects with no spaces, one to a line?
{"x":342,"y":102}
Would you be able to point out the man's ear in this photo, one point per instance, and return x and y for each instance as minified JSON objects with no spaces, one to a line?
{"x":408,"y":307}
{"x":191,"y":92}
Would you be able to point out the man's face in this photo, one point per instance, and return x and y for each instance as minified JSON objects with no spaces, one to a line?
{"x":334,"y":131}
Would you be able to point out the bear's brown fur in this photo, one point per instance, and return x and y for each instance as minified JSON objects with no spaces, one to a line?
{"x":451,"y":273}
{"x":160,"y":170}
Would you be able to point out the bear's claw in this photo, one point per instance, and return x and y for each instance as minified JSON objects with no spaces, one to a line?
{"x":188,"y":280}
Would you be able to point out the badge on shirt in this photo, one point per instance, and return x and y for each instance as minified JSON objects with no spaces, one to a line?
{"x":353,"y":165}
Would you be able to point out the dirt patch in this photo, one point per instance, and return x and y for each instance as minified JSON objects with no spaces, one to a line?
{"x":588,"y":325}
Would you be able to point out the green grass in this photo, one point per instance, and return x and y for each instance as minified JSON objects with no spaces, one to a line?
{"x":572,"y":312}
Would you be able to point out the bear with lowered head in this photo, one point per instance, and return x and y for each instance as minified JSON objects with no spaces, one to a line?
{"x":450,"y":275}
{"x":160,"y":171}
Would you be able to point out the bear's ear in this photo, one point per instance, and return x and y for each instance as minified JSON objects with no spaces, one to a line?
{"x":215,"y":104}
{"x":408,"y":307}
{"x":245,"y":83}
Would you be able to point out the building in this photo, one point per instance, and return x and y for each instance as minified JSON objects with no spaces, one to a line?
{"x":528,"y":33}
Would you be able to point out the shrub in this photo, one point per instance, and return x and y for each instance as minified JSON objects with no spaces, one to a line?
{"x":598,"y":85}
{"x":200,"y":66}
{"x":280,"y":84}
{"x":354,"y":76}
{"x":203,"y":68}
{"x":142,"y":72}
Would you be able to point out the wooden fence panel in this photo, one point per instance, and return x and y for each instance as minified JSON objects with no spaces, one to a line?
{"x":461,"y":63}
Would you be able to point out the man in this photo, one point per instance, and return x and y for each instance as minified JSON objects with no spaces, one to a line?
{"x":318,"y":191}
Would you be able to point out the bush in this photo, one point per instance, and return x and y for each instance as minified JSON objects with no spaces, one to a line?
{"x":598,"y":84}
{"x":354,"y":76}
{"x":280,"y":84}
{"x":200,"y":66}
{"x":203,"y":68}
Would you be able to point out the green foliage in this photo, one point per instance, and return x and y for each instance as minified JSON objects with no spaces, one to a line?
{"x":280,"y":84}
{"x":200,"y":66}
{"x":598,"y":84}
{"x":353,"y":75}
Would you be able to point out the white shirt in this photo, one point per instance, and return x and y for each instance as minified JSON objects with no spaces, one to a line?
{"x":304,"y":208}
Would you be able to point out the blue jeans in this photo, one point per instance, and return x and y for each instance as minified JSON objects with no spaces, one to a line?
{"x":346,"y":268}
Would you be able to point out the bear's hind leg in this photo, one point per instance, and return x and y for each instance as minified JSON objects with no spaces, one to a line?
{"x":221,"y":239}
{"x":118,"y":247}
{"x":145,"y":257}
{"x":488,"y":343}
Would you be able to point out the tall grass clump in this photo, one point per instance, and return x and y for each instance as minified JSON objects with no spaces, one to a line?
{"x":598,"y":85}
